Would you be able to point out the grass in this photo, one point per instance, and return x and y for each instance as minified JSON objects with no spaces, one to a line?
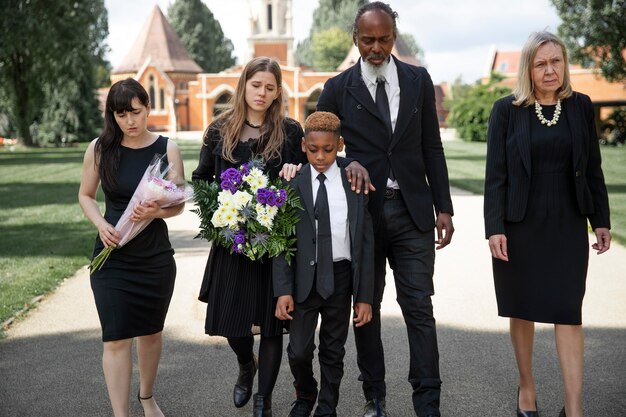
{"x":466,"y":167}
{"x":45,"y":236}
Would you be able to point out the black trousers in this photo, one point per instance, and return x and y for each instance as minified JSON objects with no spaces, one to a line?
{"x":411,"y":254}
{"x":335,"y":314}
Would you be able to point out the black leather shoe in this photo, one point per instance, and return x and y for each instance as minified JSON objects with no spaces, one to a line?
{"x":301,"y":408}
{"x":262,"y":406}
{"x":243,"y":387}
{"x":375,"y":408}
{"x":525,"y":413}
{"x":562,"y":413}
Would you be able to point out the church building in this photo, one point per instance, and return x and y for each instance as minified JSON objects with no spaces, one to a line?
{"x":183,"y":98}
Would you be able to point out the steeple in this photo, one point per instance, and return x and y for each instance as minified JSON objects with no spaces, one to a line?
{"x":159,"y":42}
{"x":271,"y":30}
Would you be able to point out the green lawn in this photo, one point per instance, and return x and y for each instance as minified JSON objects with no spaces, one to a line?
{"x":45,"y":237}
{"x":466,"y":166}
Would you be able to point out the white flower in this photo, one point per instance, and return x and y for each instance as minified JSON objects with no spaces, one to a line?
{"x":256,"y":179}
{"x":271,"y":210}
{"x":225,"y":197}
{"x":218,"y":219}
{"x":266,"y":221}
{"x":241,"y":199}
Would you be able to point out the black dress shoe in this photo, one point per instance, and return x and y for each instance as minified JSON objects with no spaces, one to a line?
{"x":262,"y":406}
{"x":375,"y":408}
{"x":301,"y":408}
{"x":243,"y":388}
{"x":562,"y":413}
{"x":526,"y":413}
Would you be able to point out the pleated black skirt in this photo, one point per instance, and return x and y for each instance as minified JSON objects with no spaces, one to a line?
{"x":239,"y":295}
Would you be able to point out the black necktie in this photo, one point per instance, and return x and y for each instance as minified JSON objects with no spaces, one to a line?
{"x":325,"y":276}
{"x":382,"y":102}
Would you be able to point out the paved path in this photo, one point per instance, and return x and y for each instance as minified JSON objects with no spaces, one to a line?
{"x":50,"y":362}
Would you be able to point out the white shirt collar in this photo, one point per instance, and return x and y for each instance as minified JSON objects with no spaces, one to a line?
{"x":330,"y":173}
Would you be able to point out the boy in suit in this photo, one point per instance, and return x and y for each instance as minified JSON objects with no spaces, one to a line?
{"x":332,"y":265}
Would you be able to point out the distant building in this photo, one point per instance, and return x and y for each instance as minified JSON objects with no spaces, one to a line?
{"x":185,"y":98}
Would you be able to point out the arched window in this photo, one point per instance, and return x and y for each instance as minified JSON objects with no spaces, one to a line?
{"x":311,"y":103}
{"x":151,"y":91}
{"x":269,"y":16}
{"x":221,"y":103}
{"x":161,"y":99}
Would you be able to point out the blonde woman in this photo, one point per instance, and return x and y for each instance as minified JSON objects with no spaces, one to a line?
{"x":543,"y":183}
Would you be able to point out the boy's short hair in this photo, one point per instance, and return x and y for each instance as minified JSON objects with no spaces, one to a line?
{"x":322,"y":121}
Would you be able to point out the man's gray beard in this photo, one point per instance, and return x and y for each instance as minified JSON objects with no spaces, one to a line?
{"x":377,"y":70}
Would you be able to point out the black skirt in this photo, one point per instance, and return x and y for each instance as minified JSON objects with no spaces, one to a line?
{"x":239,"y":296}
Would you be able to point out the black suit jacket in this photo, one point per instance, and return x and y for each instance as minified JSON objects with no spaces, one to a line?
{"x":508,"y":173}
{"x":297,"y":279}
{"x":414,"y":152}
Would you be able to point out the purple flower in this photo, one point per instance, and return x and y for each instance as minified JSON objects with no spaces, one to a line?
{"x":261,"y":195}
{"x":245,"y":170}
{"x":240,"y":237}
{"x":271,"y":198}
{"x":282,"y":197}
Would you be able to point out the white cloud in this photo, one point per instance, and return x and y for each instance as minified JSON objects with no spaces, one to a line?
{"x":455,"y":34}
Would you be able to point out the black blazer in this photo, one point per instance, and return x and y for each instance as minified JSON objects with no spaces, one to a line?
{"x":297,"y":279}
{"x":508,"y":173}
{"x":414,"y":152}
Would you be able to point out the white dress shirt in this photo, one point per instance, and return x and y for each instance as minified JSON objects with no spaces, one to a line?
{"x":392,"y":88}
{"x":338,"y":206}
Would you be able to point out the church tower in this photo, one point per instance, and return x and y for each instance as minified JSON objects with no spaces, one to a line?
{"x":271,"y":34}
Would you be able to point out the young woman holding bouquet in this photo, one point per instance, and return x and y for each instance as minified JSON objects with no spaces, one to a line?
{"x":133,"y":288}
{"x":238,"y":291}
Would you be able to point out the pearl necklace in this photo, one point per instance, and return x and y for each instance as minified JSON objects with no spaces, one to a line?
{"x":542,"y":119}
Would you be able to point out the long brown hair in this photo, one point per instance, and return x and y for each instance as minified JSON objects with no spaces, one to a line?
{"x":107,"y":149}
{"x":232,"y":120}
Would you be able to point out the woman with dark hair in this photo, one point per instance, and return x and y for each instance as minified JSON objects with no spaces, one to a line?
{"x":543,"y":183}
{"x":133,"y":288}
{"x":238,"y":291}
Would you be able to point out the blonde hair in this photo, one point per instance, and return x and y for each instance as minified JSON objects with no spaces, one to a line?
{"x":322,"y":121}
{"x":232,"y":120}
{"x":524,"y":90}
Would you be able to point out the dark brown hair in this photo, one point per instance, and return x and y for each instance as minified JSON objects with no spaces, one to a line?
{"x":107,"y":149}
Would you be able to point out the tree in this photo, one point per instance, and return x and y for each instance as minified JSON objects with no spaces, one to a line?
{"x":595,"y":34}
{"x":329,"y":48}
{"x":43,"y":47}
{"x":414,"y":47}
{"x":469,"y":113}
{"x":329,"y":14}
{"x":202,"y":35}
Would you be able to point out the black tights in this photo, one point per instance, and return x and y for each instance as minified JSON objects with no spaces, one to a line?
{"x":270,"y":355}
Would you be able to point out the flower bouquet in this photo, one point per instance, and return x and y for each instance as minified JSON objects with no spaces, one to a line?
{"x":153,"y":186}
{"x":247,"y":213}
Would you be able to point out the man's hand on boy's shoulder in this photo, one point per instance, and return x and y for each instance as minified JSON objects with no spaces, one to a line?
{"x":284,"y":306}
{"x":359,"y":178}
{"x":362,"y":314}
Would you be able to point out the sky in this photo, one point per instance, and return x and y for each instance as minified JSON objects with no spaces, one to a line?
{"x":457,"y":36}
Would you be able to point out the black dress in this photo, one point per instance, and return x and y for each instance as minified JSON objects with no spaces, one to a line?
{"x":237,"y":290}
{"x":133,"y":288}
{"x":544,"y":280}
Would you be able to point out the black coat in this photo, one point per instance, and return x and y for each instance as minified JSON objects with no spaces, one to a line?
{"x":297,"y":279}
{"x":414,"y":152}
{"x":508,"y":173}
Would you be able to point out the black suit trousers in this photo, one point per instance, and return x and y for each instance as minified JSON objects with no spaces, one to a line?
{"x":411,"y":255}
{"x":335,"y":314}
